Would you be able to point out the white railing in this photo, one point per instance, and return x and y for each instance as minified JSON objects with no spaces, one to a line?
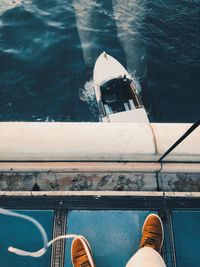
{"x":31,"y":141}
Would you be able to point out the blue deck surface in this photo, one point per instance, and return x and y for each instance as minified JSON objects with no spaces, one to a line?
{"x":22,"y":234}
{"x":186,"y":225}
{"x":113,"y":235}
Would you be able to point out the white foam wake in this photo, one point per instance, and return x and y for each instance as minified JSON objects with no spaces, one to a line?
{"x":136,"y":83}
{"x":129,"y":17}
{"x":7,"y":4}
{"x":89,"y":29}
{"x":87,"y":94}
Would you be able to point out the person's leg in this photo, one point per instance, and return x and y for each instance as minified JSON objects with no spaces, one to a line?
{"x":148,"y":254}
{"x":146,"y":257}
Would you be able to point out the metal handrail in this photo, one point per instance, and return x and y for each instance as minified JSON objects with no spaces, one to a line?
{"x":186,"y":134}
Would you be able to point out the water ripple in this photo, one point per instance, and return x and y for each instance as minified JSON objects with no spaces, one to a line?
{"x":48,"y":49}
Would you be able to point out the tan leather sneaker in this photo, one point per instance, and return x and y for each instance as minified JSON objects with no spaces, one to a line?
{"x":152,"y":233}
{"x":81,"y":253}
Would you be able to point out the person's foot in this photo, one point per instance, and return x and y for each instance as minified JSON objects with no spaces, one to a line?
{"x":152,"y":233}
{"x":81,"y":253}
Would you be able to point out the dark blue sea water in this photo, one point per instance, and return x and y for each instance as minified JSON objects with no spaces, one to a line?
{"x":48,"y":49}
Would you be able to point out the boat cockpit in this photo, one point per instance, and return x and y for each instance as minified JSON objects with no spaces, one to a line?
{"x":119,"y":95}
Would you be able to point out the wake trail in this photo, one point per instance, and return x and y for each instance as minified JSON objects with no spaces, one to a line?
{"x":87,"y":94}
{"x":130,"y":16}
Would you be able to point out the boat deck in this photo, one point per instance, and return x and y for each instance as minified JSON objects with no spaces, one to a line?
{"x":117,"y":93}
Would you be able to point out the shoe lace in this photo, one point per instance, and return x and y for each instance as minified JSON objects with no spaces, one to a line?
{"x":85,"y":264}
{"x":150,"y":241}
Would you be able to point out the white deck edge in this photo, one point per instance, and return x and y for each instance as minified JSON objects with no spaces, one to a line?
{"x":79,"y":167}
{"x":99,"y":193}
{"x":98,"y":167}
{"x":117,"y":142}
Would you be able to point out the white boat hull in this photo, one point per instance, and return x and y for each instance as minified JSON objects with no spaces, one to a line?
{"x":107,"y":68}
{"x":125,"y":107}
{"x":136,"y":115}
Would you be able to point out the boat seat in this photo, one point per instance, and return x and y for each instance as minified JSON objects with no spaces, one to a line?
{"x":126,"y":106}
{"x":112,"y":98}
{"x":108,"y":109}
{"x":131,"y":103}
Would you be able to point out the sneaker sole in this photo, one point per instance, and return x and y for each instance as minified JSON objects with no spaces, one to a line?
{"x":161,"y":227}
{"x":87,"y":248}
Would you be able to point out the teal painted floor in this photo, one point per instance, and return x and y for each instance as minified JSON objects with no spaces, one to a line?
{"x":186,"y":226}
{"x":24,"y":235}
{"x":114,"y":236}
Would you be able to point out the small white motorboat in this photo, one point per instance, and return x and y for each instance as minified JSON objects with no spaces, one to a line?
{"x":116,"y":93}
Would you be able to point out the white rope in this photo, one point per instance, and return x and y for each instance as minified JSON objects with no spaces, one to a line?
{"x":46,"y":244}
{"x":42,"y":251}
